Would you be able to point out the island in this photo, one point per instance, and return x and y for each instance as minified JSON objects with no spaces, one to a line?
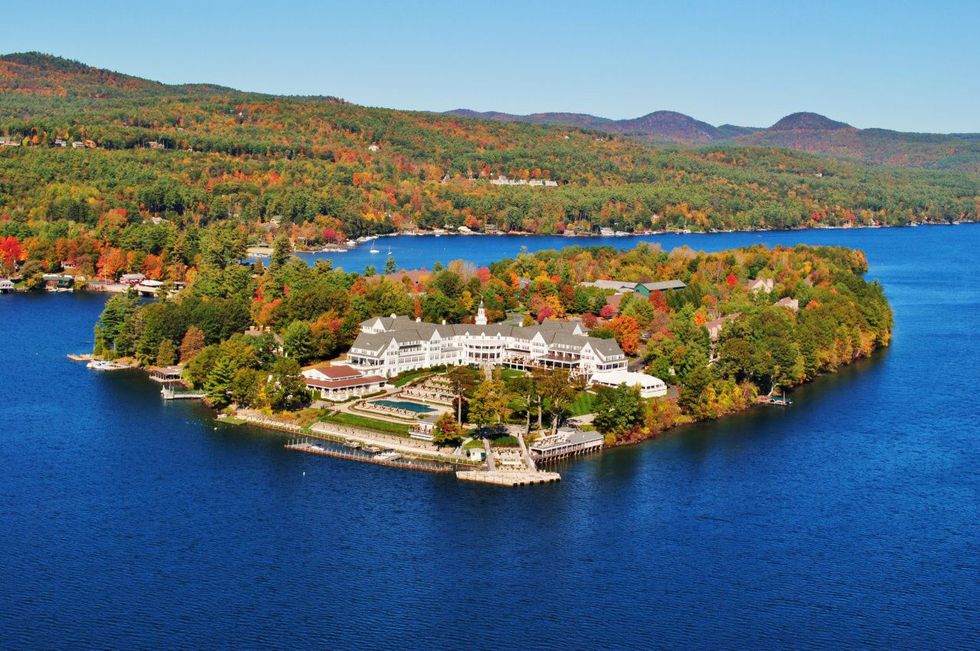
{"x":496,"y":372}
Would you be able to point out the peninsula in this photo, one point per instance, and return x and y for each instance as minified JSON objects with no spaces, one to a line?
{"x":505,"y":367}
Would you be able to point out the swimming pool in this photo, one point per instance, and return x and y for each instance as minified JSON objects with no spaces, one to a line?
{"x":407,"y":406}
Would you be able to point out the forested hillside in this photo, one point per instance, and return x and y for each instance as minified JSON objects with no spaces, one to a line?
{"x":113,"y":173}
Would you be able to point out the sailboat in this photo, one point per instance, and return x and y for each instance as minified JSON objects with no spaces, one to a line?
{"x":374,"y":249}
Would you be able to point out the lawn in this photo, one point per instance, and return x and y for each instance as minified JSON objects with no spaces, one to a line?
{"x":583,"y":404}
{"x":411,"y":376}
{"x":354,"y":420}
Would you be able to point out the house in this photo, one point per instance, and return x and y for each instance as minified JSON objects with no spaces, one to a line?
{"x":391,"y":345}
{"x":373,"y":147}
{"x":131,"y":279}
{"x":6,"y":285}
{"x":476,"y":454}
{"x":645,"y":289}
{"x":78,"y":144}
{"x":58,"y":142}
{"x":58,"y":282}
{"x":618,"y":286}
{"x":149,"y":287}
{"x":761,"y":285}
{"x":649,"y":386}
{"x":715,"y":326}
{"x":788,"y":302}
{"x":340,"y":382}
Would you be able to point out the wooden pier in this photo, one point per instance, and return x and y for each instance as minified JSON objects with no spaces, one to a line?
{"x":173,"y":394}
{"x":508,"y":477}
{"x":383,"y":459}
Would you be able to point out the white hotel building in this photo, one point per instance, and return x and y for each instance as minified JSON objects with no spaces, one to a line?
{"x":387,"y":346}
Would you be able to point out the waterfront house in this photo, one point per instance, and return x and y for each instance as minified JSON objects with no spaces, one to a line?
{"x":149,"y":287}
{"x":131,"y":279}
{"x":6,"y":285}
{"x":58,"y":282}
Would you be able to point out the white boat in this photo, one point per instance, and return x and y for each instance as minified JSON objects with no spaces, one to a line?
{"x":374,"y":250}
{"x":102,"y":365}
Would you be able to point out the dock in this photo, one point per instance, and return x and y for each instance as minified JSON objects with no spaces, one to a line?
{"x":81,"y":357}
{"x":173,"y":394}
{"x":389,"y":459}
{"x":508,"y":477}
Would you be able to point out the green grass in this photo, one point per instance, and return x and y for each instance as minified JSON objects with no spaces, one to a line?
{"x":475,"y":443}
{"x":353,"y":420}
{"x":410,"y":376}
{"x":504,"y":442}
{"x":511,"y":373}
{"x":583,"y":404}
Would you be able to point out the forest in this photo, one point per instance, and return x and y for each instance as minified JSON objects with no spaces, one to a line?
{"x":110,"y":174}
{"x":749,"y":322}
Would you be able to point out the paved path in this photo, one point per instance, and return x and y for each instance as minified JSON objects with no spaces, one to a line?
{"x":528,"y":459}
{"x":491,"y":462}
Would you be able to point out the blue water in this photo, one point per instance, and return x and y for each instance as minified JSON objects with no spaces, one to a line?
{"x":402,"y":404}
{"x":849,"y":520}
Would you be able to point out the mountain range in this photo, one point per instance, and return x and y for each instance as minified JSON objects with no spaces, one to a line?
{"x":804,"y":131}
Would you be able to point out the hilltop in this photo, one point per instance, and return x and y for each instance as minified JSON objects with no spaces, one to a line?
{"x":107,"y":172}
{"x":803,"y":131}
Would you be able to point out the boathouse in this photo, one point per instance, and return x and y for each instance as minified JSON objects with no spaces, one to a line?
{"x":166,"y":374}
{"x":565,"y":443}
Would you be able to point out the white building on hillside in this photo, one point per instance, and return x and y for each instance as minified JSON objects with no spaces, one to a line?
{"x":388,"y":346}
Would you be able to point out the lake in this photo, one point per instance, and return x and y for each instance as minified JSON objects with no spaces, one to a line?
{"x":851,"y":519}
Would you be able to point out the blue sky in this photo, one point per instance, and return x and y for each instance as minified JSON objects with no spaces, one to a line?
{"x":898,"y":65}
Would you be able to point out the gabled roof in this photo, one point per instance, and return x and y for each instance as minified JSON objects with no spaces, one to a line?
{"x":336,"y":372}
{"x":664,"y":284}
{"x":362,"y":380}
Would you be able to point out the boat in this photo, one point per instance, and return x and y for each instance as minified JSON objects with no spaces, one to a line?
{"x":374,"y":250}
{"x":102,"y":365}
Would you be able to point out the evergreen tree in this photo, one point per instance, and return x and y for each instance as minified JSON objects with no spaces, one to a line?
{"x":166,"y":354}
{"x":218,"y":386}
{"x":391,"y":266}
{"x":297,"y":341}
{"x":281,"y":252}
{"x":286,"y":389}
